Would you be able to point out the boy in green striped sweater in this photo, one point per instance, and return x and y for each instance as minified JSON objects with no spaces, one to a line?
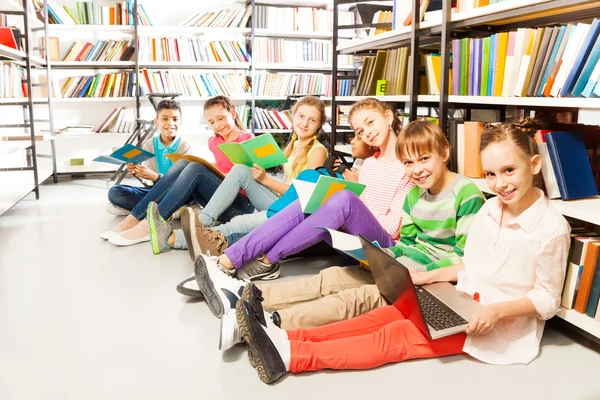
{"x":440,"y":208}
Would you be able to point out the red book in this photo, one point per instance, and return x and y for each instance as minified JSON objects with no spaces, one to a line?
{"x":7,"y":38}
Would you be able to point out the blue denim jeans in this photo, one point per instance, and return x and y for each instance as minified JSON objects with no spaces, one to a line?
{"x":126,"y":196}
{"x":240,"y":177}
{"x":290,"y":230}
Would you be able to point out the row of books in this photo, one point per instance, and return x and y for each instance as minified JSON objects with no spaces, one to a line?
{"x":286,"y":84}
{"x":566,"y":166}
{"x":120,"y":120}
{"x":102,"y":50}
{"x":297,"y":52}
{"x":301,"y":19}
{"x":92,"y":13}
{"x":192,"y":50}
{"x":243,"y":113}
{"x":389,"y":65}
{"x":193,"y":84}
{"x":271,"y":119}
{"x":556,"y":61}
{"x":119,"y":84}
{"x":581,"y":290}
{"x":225,"y":18}
{"x":11,"y":85}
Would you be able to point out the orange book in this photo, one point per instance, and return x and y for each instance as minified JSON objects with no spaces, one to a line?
{"x":473,"y":131}
{"x":551,"y":78}
{"x":587,"y":275}
{"x":147,"y":77}
{"x":153,"y":49}
{"x":111,"y":15}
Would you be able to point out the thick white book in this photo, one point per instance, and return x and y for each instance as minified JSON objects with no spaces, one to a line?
{"x":571,"y":51}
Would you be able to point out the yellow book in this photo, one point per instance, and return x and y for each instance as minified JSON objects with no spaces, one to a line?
{"x":500,"y":63}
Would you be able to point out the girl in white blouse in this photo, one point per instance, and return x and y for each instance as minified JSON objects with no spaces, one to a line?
{"x":514,"y":265}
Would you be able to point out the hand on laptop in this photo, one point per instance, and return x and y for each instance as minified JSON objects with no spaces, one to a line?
{"x":483,"y":320}
{"x":420,"y":278}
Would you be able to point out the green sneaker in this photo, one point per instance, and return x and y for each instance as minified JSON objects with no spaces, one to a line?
{"x":160,"y":230}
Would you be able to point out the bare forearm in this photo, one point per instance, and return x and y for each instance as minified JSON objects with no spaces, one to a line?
{"x":448,"y":274}
{"x":275,"y":185}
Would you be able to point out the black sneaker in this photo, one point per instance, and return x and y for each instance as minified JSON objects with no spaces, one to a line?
{"x":253,"y":295}
{"x":262,"y":353}
{"x":256,"y":270}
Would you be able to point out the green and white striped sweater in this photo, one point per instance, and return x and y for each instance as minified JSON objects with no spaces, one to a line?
{"x":434,"y":228}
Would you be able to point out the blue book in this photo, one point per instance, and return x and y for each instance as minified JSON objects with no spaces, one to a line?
{"x":594,"y":297}
{"x":491,"y":69}
{"x":476,"y":67}
{"x":580,"y":59}
{"x":54,"y":15}
{"x":559,"y":40}
{"x":128,"y":154}
{"x":85,"y":88}
{"x":596,"y":91}
{"x":571,"y":165}
{"x":584,"y":78}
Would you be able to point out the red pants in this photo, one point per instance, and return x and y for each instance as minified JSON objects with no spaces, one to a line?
{"x":381,"y":336}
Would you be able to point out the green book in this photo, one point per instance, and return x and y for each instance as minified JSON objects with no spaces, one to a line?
{"x":313,"y":195}
{"x":97,"y":79}
{"x":485,"y":65}
{"x":464,"y":66}
{"x":262,"y":150}
{"x":71,"y":15}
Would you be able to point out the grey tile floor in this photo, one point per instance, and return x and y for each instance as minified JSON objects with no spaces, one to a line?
{"x":81,"y":319}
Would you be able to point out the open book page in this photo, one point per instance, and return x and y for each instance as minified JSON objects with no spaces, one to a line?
{"x":348,"y":244}
{"x":176,"y":157}
{"x":128,"y":154}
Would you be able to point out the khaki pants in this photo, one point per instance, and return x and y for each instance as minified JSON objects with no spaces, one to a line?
{"x":335,"y":294}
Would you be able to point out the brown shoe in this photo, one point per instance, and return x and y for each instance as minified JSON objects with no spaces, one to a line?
{"x":211,"y":241}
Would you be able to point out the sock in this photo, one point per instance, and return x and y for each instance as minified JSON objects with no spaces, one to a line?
{"x":180,"y":242}
{"x":280,"y":339}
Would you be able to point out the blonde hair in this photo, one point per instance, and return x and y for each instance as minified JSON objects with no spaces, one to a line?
{"x":226,"y":103}
{"x":302,"y":158}
{"x":419,"y":137}
{"x":374,"y":104}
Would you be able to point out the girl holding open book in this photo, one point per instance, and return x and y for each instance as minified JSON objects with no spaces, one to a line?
{"x":514,"y":266}
{"x":304,"y":151}
{"x":186,"y":181}
{"x":377,"y":213}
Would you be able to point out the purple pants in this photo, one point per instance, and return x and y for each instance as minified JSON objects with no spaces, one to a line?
{"x":291,"y":231}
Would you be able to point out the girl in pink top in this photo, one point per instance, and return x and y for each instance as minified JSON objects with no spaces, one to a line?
{"x":514,"y":265}
{"x":186,"y":181}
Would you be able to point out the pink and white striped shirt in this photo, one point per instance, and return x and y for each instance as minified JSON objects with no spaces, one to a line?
{"x":387,"y":187}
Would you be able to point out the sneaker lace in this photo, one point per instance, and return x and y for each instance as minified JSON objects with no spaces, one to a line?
{"x":256,"y":268}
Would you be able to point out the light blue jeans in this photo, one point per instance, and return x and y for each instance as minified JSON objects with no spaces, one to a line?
{"x":239,"y":178}
{"x":233,"y":230}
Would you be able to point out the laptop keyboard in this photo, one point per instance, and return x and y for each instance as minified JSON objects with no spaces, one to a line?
{"x":436,"y":313}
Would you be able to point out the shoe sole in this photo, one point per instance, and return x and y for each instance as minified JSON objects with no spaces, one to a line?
{"x":253,"y":353}
{"x":189,"y":231}
{"x":153,"y":235}
{"x":189,"y":292}
{"x":207,"y":287}
{"x":267,"y":276}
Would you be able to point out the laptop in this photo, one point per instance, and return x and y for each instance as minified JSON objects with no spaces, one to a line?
{"x":437,"y":309}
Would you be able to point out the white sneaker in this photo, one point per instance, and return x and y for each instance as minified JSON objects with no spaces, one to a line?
{"x":177,"y":214}
{"x":220,"y":290}
{"x":108,"y":234}
{"x":116,"y":210}
{"x":119,"y":240}
{"x":230,"y":333}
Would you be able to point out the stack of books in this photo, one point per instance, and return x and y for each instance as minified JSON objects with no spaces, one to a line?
{"x":11,"y":85}
{"x":286,"y":84}
{"x":296,"y":52}
{"x":120,"y":120}
{"x":225,"y":18}
{"x":272,"y":119}
{"x":119,"y":84}
{"x":391,"y":66}
{"x":103,"y":50}
{"x":92,"y":13}
{"x":301,"y":19}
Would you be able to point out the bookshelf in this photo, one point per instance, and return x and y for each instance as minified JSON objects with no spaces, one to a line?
{"x":500,"y":17}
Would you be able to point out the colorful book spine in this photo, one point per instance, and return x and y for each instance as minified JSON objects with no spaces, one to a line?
{"x":485,"y":64}
{"x":490,"y":88}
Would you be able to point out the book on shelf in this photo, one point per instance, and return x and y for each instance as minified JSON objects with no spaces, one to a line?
{"x":191,"y":84}
{"x":120,"y":84}
{"x":11,"y":79}
{"x":433,"y":71}
{"x":550,"y":182}
{"x":559,"y":61}
{"x":191,"y":50}
{"x":75,"y":129}
{"x":102,"y":50}
{"x":224,"y":18}
{"x":299,"y":19}
{"x":37,"y":136}
{"x":285,"y":84}
{"x":93,"y":13}
{"x":53,"y":46}
{"x":262,"y":150}
{"x":296,"y":52}
{"x":389,"y":65}
{"x":119,"y":120}
{"x":243,"y":113}
{"x":272,"y":118}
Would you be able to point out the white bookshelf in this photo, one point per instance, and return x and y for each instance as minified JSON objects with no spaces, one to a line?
{"x":190,"y":30}
{"x":89,"y":28}
{"x":93,"y":64}
{"x":194,"y":65}
{"x":11,"y":53}
{"x":301,"y":67}
{"x":590,"y":325}
{"x":16,"y":185}
{"x":12,"y":5}
{"x":10,"y":147}
{"x":94,"y":99}
{"x":292,"y":34}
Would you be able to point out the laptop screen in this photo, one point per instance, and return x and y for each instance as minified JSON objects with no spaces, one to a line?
{"x":394,"y":283}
